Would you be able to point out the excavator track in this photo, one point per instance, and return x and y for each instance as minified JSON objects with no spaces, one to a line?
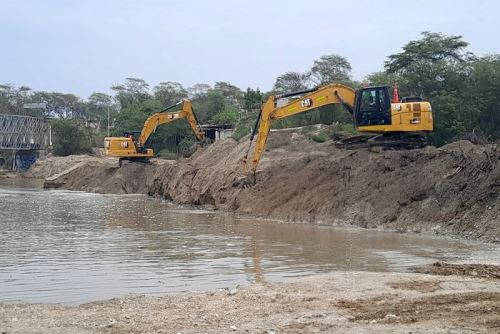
{"x":396,"y":141}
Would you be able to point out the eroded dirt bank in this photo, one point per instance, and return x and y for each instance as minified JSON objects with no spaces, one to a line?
{"x":452,"y":190}
{"x":341,"y":302}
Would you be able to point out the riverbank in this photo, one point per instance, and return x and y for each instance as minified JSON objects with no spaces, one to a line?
{"x":340,"y":302}
{"x":453,"y":190}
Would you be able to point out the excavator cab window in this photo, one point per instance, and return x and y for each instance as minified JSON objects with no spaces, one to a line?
{"x":373,"y":106}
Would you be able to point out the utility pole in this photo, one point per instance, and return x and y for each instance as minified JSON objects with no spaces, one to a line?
{"x":108,"y":120}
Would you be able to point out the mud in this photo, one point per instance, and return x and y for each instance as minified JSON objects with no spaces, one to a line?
{"x":473,"y":270}
{"x":352,"y":302}
{"x":473,"y":310}
{"x":453,"y":190}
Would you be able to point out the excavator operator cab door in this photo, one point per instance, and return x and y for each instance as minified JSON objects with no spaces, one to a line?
{"x":373,"y":106}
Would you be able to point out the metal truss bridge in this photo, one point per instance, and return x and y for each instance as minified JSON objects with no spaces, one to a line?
{"x":23,"y":133}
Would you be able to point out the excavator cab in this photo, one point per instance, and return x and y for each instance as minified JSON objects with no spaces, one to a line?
{"x":373,"y":106}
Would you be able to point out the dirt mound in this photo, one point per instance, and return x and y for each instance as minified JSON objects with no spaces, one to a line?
{"x":53,"y":165}
{"x":451,"y":190}
{"x":474,"y":270}
{"x":103,"y":176}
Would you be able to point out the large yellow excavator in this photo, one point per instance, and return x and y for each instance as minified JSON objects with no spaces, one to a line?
{"x":135,"y":145}
{"x":399,"y":124}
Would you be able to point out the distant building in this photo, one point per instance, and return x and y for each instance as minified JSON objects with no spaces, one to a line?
{"x":217,"y":131}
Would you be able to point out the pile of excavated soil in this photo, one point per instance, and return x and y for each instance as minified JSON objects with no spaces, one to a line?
{"x":53,"y":165}
{"x":452,"y":190}
{"x":341,"y":302}
{"x":101,"y":175}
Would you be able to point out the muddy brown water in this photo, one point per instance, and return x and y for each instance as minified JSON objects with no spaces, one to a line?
{"x":74,"y":247}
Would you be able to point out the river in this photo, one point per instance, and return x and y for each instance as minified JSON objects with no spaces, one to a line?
{"x":74,"y":247}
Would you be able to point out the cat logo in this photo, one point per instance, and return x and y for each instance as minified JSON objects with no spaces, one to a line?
{"x":306,"y":103}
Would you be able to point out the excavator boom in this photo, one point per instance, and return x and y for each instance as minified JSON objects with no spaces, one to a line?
{"x":135,"y":146}
{"x":314,"y":98}
{"x":163,"y":117}
{"x":370,"y":107}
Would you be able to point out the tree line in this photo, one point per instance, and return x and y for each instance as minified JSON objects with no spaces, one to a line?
{"x":463,"y":88}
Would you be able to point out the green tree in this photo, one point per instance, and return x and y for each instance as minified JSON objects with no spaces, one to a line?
{"x":227,"y":116}
{"x":482,"y":99}
{"x":231,"y":93}
{"x":69,"y":137}
{"x":169,"y":92}
{"x":437,"y":67}
{"x":12,"y":100}
{"x":61,"y":105}
{"x":133,"y":116}
{"x":291,"y":82}
{"x":432,"y":64}
{"x":331,"y":68}
{"x":198,"y":90}
{"x":133,"y":90}
{"x":252,"y":99}
{"x":98,"y":106}
{"x":216,"y":103}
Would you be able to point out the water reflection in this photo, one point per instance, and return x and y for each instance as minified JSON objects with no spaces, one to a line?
{"x":72,"y":247}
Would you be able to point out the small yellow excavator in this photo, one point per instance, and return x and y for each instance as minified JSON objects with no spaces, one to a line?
{"x":400,"y":124}
{"x":135,"y":145}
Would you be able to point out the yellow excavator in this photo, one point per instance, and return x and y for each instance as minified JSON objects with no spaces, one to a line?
{"x":399,"y":124}
{"x":135,"y":145}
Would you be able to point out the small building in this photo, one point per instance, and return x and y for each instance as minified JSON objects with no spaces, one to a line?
{"x":214,"y":132}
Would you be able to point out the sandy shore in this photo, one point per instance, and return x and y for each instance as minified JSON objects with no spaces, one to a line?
{"x":340,"y":302}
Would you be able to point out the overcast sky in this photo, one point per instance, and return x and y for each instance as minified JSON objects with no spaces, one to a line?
{"x":85,"y":46}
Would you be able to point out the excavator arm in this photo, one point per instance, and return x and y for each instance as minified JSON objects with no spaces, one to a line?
{"x":133,"y":146}
{"x":164,"y":116}
{"x":304,"y":101}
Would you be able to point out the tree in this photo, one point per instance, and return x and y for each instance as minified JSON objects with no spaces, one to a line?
{"x":100,"y":106}
{"x":198,"y":90}
{"x":252,"y":99}
{"x":133,"y":116}
{"x":381,"y":79}
{"x":69,"y":138}
{"x":169,"y":92}
{"x":291,"y":82}
{"x":483,"y":98}
{"x":227,"y":116}
{"x":134,"y":90}
{"x":331,"y":68}
{"x":12,"y":100}
{"x":431,"y":64}
{"x":61,"y":105}
{"x":438,"y":68}
{"x":231,"y":93}
{"x":216,"y":103}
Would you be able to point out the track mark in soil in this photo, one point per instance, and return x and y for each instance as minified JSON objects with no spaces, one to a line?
{"x":478,"y":309}
{"x":420,"y":286}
